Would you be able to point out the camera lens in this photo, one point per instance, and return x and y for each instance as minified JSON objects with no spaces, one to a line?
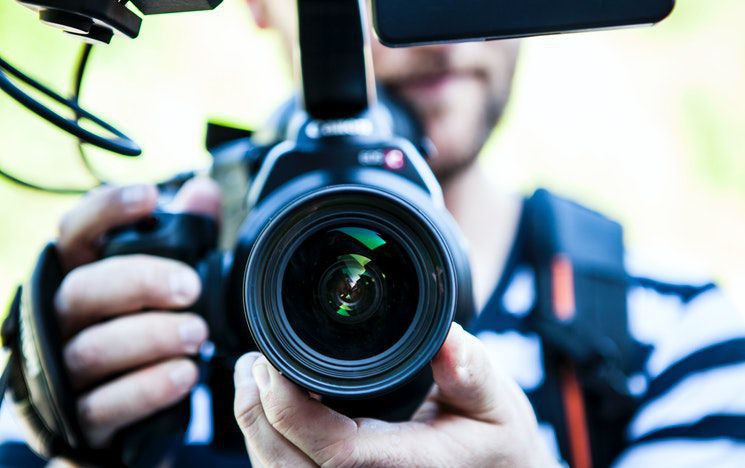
{"x":350,"y":291}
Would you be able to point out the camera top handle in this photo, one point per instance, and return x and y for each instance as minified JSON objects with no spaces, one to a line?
{"x":336,"y":62}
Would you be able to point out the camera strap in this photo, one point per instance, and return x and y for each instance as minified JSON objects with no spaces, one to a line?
{"x":35,"y":379}
{"x":581,"y":316}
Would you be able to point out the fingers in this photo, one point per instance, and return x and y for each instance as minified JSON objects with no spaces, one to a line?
{"x":107,"y":207}
{"x":199,"y":196}
{"x":129,"y":342}
{"x":270,"y":406}
{"x":101,"y":210}
{"x":475,"y":413}
{"x":468,"y":383}
{"x":121,"y":285}
{"x":323,"y":434}
{"x":266,"y":446}
{"x":133,"y":397}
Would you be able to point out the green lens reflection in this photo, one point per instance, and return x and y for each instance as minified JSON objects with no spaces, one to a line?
{"x":366,"y":237}
{"x":353,"y":269}
{"x":350,"y":291}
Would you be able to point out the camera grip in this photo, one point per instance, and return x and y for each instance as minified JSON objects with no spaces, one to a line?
{"x":179,"y":236}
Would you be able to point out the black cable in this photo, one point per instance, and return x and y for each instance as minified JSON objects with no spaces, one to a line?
{"x":121,"y":143}
{"x":42,"y":188}
{"x":80,"y":68}
{"x":130,"y":148}
{"x":85,"y":54}
{"x":34,"y":186}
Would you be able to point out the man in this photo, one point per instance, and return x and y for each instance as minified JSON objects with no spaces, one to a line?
{"x":129,"y":364}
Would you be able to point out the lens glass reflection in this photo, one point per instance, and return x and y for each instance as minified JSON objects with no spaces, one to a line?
{"x":350,"y":292}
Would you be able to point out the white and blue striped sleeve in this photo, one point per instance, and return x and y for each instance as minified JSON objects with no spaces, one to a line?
{"x":692,"y":406}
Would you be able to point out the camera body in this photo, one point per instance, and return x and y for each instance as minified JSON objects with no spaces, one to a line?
{"x":347,"y":271}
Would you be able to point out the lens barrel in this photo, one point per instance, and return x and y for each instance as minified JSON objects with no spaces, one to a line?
{"x":350,"y":291}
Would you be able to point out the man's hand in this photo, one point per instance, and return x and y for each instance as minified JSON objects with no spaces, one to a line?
{"x":126,"y":363}
{"x":475,"y":416}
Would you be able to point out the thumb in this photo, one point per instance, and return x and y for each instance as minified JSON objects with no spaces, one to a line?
{"x":469,"y":383}
{"x":200,"y":195}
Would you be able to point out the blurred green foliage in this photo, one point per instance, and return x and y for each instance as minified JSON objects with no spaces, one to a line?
{"x":646,"y":124}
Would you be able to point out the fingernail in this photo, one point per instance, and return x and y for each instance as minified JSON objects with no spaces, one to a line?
{"x":193,"y":332}
{"x":183,"y":375}
{"x":456,"y":334}
{"x":243,"y":369}
{"x":261,"y":373}
{"x":134,"y":194}
{"x":184,"y":287}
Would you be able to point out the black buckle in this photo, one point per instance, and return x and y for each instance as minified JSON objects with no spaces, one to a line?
{"x":9,"y":328}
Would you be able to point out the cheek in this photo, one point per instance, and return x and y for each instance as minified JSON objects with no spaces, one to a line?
{"x":458,"y":128}
{"x":503,"y":59}
{"x":388,"y":62}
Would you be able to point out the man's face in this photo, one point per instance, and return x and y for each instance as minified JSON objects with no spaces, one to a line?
{"x":458,"y":91}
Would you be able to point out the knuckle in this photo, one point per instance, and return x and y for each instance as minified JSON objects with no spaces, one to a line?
{"x":102,"y":197}
{"x":158,"y":394}
{"x":146,"y":276}
{"x":71,"y":219}
{"x":248,"y":415}
{"x":280,"y":416}
{"x":162,"y":394}
{"x":340,"y":454}
{"x":162,"y":331}
{"x":165,"y":389}
{"x":153,"y":288}
{"x":154,"y":276}
{"x":82,"y":353}
{"x":90,"y":415}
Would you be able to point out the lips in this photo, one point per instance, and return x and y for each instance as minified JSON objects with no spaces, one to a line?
{"x":431,"y":84}
{"x":426,"y":83}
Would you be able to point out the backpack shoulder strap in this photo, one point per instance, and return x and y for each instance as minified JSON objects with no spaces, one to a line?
{"x":581,"y":316}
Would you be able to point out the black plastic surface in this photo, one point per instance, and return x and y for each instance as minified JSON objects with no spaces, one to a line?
{"x":108,"y":12}
{"x":410,"y":22}
{"x":154,"y":7}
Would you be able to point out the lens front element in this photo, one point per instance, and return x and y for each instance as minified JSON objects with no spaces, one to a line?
{"x":350,"y":292}
{"x":350,"y":289}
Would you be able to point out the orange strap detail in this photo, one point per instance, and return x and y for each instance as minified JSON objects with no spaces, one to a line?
{"x":562,"y":281}
{"x":574,"y":413}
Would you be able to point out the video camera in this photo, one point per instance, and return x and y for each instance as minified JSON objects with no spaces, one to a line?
{"x":347,"y":271}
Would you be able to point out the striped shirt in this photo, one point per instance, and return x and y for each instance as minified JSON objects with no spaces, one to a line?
{"x":690,"y":389}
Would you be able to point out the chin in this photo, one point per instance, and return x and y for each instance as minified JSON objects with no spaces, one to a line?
{"x":458,"y":138}
{"x":451,"y":159}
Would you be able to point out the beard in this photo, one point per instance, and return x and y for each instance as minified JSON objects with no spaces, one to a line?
{"x":456,"y":153}
{"x":458,"y":131}
{"x":458,"y":95}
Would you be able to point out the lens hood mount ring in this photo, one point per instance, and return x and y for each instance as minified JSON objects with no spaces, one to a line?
{"x":389,"y":372}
